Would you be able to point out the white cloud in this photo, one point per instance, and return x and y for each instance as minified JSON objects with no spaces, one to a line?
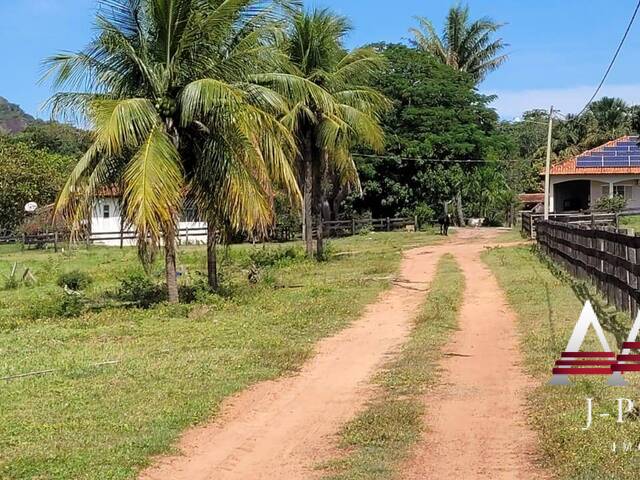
{"x":511,"y":103}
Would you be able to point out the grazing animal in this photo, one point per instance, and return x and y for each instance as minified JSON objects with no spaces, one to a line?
{"x":445,"y":222}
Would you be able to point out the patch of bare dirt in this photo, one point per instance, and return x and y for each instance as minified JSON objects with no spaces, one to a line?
{"x":476,"y":422}
{"x":281,"y":429}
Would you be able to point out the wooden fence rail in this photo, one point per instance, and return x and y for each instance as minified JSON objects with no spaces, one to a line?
{"x":337,"y":228}
{"x":530,"y":220}
{"x":607,"y":257}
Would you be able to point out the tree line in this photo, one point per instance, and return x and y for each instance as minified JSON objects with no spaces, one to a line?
{"x":254,"y":110}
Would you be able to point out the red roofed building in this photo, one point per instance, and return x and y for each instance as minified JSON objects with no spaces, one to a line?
{"x":608,"y":170}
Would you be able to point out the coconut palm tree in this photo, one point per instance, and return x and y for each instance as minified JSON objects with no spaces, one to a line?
{"x":465,"y":45}
{"x":326,"y":133}
{"x":613,"y":117}
{"x":172,"y":90}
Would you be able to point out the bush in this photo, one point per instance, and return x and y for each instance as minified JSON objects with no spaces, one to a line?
{"x":267,"y":257}
{"x":140,"y":290}
{"x":72,"y":304}
{"x":425,"y":215}
{"x":614,"y":204}
{"x":327,"y":252}
{"x":194,"y":292}
{"x":75,"y":280}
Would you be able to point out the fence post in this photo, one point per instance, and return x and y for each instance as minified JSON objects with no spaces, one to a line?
{"x":415,"y":223}
{"x":353,"y":226}
{"x":55,"y":242}
{"x":388,"y":224}
{"x":121,"y":230}
{"x":186,"y":237}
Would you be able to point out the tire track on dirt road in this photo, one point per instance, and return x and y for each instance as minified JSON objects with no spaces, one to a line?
{"x":281,"y":429}
{"x":476,"y":422}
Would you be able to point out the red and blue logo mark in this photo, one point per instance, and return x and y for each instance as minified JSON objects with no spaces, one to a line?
{"x":605,"y":362}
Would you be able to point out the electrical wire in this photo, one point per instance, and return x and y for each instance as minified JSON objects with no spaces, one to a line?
{"x":429,"y":160}
{"x":613,"y":60}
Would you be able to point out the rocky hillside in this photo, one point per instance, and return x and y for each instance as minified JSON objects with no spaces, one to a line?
{"x":12,"y":118}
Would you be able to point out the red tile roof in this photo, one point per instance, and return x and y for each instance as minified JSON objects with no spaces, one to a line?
{"x":569,"y":167}
{"x":531,"y":197}
{"x":109,"y":191}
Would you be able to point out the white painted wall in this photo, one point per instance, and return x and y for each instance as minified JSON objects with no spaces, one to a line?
{"x":597,"y":182}
{"x":104,"y":229}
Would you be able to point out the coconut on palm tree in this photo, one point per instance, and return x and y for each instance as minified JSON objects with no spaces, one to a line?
{"x":172,"y":90}
{"x":326,"y":132}
{"x":468,"y":46}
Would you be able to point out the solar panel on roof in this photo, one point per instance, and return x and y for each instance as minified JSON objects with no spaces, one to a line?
{"x":624,"y":153}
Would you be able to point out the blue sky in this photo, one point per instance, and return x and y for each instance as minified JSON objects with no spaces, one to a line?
{"x":558,"y":49}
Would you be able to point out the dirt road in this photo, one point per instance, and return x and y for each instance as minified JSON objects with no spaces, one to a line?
{"x":279,"y":430}
{"x":476,"y":424}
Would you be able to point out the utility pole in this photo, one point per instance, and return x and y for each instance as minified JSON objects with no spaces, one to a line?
{"x":548,"y":166}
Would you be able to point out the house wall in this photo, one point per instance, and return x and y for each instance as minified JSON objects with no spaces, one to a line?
{"x":104,"y":229}
{"x":597,"y":182}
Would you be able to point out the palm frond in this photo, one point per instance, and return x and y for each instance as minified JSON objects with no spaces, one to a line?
{"x":153,"y":185}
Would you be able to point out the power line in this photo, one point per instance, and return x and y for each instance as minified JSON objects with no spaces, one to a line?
{"x":613,"y":60}
{"x":429,"y":160}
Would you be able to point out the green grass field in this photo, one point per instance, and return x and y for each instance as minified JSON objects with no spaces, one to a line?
{"x":547,"y":310}
{"x":175,"y":364}
{"x":376,"y":441}
{"x":632,"y":221}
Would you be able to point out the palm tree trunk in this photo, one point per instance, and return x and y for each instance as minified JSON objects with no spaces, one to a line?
{"x":318,"y":174}
{"x":212,"y":257}
{"x":170,"y":264}
{"x":307,"y":193}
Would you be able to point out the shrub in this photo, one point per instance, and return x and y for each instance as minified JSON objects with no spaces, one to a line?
{"x":193,"y":292}
{"x":327,"y":252}
{"x":72,"y":304}
{"x":614,"y":204}
{"x":75,"y":280}
{"x":140,"y":290}
{"x":425,"y":214}
{"x":267,"y":257}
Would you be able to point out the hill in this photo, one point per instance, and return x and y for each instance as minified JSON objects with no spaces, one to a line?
{"x":12,"y":118}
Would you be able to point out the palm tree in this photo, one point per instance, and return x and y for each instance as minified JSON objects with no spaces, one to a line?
{"x":172,"y":90}
{"x":326,"y":133}
{"x":464,"y":45}
{"x":612,"y":116}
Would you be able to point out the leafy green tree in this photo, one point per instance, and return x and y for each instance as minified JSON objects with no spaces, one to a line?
{"x":327,"y":131}
{"x":172,"y":88}
{"x":28,"y":175}
{"x":436,"y":115}
{"x":465,"y":45}
{"x":56,"y":138}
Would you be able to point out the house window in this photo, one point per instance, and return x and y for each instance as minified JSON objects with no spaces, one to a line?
{"x":624,"y":191}
{"x":106,"y":211}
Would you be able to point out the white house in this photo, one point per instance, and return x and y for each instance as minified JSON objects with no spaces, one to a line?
{"x":608,"y":170}
{"x":107,"y":227}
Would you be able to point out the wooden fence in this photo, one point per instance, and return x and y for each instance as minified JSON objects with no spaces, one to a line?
{"x":607,"y":257}
{"x":339,"y":228}
{"x":530,"y":220}
{"x":343,"y":228}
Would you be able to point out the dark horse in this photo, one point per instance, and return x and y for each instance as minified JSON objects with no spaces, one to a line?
{"x":445,"y":222}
